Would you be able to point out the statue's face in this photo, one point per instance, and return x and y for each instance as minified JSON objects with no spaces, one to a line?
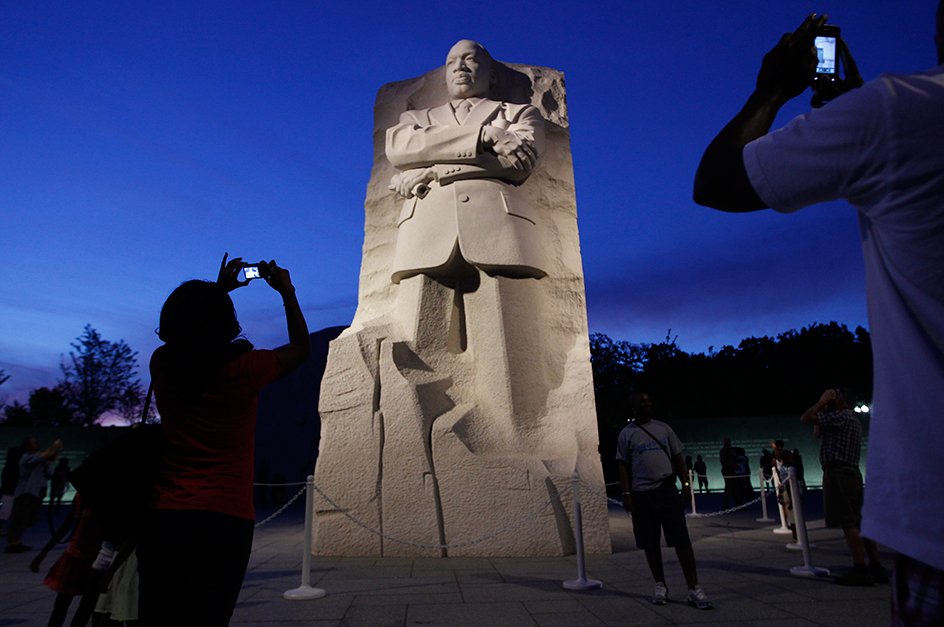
{"x":468,"y":73}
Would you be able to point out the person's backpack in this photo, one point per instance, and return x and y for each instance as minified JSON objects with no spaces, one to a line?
{"x":117,"y":481}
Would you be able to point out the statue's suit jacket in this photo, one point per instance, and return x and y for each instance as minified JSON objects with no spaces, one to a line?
{"x":476,"y":208}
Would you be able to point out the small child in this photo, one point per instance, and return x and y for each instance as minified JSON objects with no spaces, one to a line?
{"x":72,"y":574}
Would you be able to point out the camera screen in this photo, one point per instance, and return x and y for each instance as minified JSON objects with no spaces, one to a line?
{"x":826,"y":55}
{"x":251,"y":272}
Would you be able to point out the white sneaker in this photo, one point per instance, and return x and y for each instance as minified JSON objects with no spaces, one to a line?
{"x":661,"y":595}
{"x":699,"y":599}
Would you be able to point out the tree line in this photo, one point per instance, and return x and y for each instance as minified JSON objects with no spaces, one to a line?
{"x":99,"y":377}
{"x":765,"y":376}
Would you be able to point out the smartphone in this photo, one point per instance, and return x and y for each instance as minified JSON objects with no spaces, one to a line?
{"x":827,"y":52}
{"x":251,"y":272}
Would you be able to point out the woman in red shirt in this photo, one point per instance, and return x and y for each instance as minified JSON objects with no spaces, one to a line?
{"x":193,"y":554}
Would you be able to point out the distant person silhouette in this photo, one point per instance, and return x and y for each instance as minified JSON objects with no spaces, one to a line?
{"x":767,"y":465}
{"x":27,"y":498}
{"x":195,"y":547}
{"x":798,"y":464}
{"x":732,"y":485}
{"x":701,"y":471}
{"x":8,"y":481}
{"x":59,"y":484}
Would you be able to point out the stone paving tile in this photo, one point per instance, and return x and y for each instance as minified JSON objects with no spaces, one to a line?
{"x":414,"y":585}
{"x":398,"y":571}
{"x":570,"y":619}
{"x":555,"y":606}
{"x":408,"y":599}
{"x":389,"y":615}
{"x":622,"y":612}
{"x":761,"y":591}
{"x":728,"y":608}
{"x":479,"y":576}
{"x":842,"y":613}
{"x":542,"y":571}
{"x":529,"y":591}
{"x":287,"y":623}
{"x":275,"y":607}
{"x":470,"y":615}
{"x":450,"y":563}
{"x":793,"y":621}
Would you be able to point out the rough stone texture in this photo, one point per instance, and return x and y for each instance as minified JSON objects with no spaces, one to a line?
{"x":432,"y":438}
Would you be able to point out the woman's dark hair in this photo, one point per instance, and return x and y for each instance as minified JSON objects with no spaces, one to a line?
{"x":200,"y":333}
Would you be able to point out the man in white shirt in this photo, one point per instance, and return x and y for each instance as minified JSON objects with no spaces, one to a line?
{"x":881,"y":147}
{"x":649,"y":455}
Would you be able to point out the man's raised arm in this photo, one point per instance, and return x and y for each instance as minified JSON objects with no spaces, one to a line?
{"x":721,"y":181}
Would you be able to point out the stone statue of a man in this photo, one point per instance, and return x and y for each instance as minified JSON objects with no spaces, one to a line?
{"x":460,"y":164}
{"x":460,"y":400}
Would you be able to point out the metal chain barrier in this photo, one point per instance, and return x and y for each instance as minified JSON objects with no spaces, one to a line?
{"x":729,"y":510}
{"x":284,"y":507}
{"x":722,"y":512}
{"x":513,"y":525}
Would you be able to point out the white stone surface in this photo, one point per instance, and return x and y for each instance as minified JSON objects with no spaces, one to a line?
{"x":460,"y":400}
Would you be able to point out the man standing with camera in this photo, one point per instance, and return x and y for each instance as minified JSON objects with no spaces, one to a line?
{"x":841,"y":433}
{"x":649,"y":455}
{"x":880,"y":147}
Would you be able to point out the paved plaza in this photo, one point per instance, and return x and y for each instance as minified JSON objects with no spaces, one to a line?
{"x":742,"y":565}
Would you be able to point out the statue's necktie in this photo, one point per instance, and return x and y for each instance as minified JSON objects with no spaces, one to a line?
{"x":463,"y":111}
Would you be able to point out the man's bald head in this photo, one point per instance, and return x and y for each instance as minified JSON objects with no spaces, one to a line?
{"x":469,"y":70}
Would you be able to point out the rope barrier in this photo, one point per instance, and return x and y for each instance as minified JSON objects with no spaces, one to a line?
{"x":729,"y":510}
{"x":709,"y":515}
{"x":283,"y":508}
{"x":513,"y":525}
{"x":506,"y":529}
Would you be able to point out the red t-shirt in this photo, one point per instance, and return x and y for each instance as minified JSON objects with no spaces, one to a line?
{"x":208,"y":461}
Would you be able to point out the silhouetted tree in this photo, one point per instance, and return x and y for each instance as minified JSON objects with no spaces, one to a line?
{"x":131,"y":405}
{"x":16,"y":415}
{"x":98,"y":375}
{"x":761,"y":377}
{"x":3,"y":378}
{"x":48,"y":407}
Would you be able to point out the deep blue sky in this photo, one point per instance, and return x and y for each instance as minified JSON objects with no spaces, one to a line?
{"x":139,"y":141}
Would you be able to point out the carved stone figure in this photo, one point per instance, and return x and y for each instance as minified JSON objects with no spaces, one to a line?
{"x":460,"y":400}
{"x":466,"y":158}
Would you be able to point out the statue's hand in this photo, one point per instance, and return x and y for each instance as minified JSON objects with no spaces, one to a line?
{"x":512,"y":151}
{"x":405,"y":183}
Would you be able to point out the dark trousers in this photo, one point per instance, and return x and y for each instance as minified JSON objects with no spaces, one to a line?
{"x":25,"y":512}
{"x":191,"y":565}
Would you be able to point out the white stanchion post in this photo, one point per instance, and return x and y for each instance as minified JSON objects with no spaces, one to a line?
{"x":581,"y":582}
{"x":305,"y":592}
{"x":807,"y":570}
{"x":783,"y":528}
{"x":763,"y":500}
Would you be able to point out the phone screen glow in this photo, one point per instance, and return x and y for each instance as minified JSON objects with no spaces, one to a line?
{"x":826,"y":54}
